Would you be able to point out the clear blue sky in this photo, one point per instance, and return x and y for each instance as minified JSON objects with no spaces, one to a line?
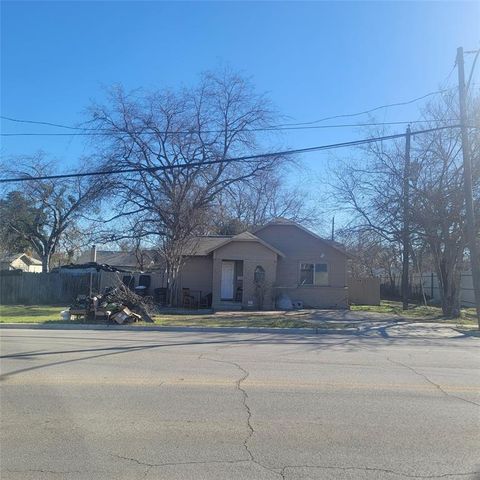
{"x":314,"y":59}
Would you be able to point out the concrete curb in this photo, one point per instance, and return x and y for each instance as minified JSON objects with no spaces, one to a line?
{"x":137,"y":328}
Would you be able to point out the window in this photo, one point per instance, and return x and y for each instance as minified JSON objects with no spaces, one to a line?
{"x":313,"y":274}
{"x":306,"y":274}
{"x":259,"y":275}
{"x":321,"y":274}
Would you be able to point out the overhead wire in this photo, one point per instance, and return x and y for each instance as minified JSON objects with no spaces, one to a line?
{"x":227,"y":160}
{"x":285,"y":126}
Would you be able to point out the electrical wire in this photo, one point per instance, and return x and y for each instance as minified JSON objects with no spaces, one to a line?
{"x":399,"y":104}
{"x":229,"y":160}
{"x":284,"y":126}
{"x":190,"y":132}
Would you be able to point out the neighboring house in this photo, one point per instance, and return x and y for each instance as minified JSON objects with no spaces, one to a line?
{"x":122,"y":260}
{"x":20,"y":261}
{"x":284,"y":256}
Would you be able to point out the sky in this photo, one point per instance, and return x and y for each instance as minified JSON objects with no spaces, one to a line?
{"x":313,"y":59}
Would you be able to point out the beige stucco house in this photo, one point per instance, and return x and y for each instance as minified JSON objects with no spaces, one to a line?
{"x":20,"y":261}
{"x":253,"y":270}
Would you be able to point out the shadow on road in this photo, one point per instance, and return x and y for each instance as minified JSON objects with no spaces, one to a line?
{"x":352,"y":342}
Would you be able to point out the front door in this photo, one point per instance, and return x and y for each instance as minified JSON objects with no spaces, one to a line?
{"x":228,"y":271}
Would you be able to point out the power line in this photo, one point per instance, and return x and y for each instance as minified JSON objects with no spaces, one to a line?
{"x":285,"y":126}
{"x":472,"y":70}
{"x":119,"y":133}
{"x":229,"y":160}
{"x":399,"y":104}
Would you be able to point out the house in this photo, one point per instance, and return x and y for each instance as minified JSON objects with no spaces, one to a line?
{"x":252,"y":270}
{"x":130,"y":261}
{"x":20,"y":261}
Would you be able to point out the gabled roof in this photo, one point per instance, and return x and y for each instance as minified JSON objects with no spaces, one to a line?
{"x":245,"y":237}
{"x":283,"y":221}
{"x":204,"y":244}
{"x":9,"y":258}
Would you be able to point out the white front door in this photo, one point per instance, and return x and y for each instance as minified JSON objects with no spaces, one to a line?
{"x":228,"y":270}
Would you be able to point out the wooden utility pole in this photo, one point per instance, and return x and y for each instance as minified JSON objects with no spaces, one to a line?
{"x":467,"y":175}
{"x":333,"y":229}
{"x":406,"y":221}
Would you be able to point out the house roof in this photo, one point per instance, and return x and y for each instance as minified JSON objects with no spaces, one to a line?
{"x":243,"y":237}
{"x":11,"y":257}
{"x":114,"y":258}
{"x":282,"y":221}
{"x":203,"y":245}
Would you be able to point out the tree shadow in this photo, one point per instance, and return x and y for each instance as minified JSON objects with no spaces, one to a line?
{"x":353,"y":342}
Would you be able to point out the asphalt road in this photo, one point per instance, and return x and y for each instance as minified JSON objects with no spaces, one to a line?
{"x":157,"y":405}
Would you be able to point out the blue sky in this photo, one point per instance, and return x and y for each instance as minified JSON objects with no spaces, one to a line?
{"x":315,"y":59}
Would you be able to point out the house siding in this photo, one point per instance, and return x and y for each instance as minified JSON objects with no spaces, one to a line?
{"x":252,"y":254}
{"x":197,"y":274}
{"x":20,"y":265}
{"x":299,"y":247}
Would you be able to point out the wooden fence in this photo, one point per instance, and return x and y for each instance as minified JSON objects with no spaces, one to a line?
{"x":364,"y":291}
{"x":44,"y":288}
{"x":25,"y":288}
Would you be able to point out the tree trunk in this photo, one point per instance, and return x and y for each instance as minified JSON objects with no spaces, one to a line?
{"x":45,"y":263}
{"x":450,"y":290}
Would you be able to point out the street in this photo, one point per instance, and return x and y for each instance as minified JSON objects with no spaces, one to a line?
{"x":86,"y":404}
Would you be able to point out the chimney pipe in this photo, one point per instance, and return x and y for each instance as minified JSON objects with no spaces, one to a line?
{"x":93,"y":254}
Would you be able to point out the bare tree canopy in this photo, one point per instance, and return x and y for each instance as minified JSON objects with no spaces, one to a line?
{"x":371,"y":191}
{"x":214,"y":121}
{"x":260,"y":199}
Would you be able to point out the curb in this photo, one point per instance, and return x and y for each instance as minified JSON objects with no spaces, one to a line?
{"x":66,"y":326}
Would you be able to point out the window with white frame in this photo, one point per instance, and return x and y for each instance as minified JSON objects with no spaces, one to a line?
{"x":313,"y":274}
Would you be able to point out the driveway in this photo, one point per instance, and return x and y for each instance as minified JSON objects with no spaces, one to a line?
{"x":166,"y":405}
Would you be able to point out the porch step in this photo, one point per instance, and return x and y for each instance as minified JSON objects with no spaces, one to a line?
{"x":228,"y":307}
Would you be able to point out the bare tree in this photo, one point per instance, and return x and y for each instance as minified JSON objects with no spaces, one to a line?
{"x":42,"y":212}
{"x":438,"y":199}
{"x":177,"y":136}
{"x":260,"y":199}
{"x":372,"y":193}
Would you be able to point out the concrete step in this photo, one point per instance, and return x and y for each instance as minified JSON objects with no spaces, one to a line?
{"x":228,"y":307}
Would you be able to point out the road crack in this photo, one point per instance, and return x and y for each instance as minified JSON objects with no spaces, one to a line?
{"x":436,"y":385}
{"x":150,"y":465}
{"x":246,"y":406}
{"x":283,"y":472}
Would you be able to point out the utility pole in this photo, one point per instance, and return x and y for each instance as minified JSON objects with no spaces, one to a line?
{"x":406,"y":221}
{"x":333,"y":228}
{"x":467,"y":174}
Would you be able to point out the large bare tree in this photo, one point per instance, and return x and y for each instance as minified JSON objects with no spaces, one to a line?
{"x":175,"y":136}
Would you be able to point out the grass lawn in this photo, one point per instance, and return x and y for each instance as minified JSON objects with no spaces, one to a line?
{"x":51,"y":314}
{"x":419,"y":312}
{"x":29,"y":313}
{"x":226,"y":320}
{"x":36,"y":314}
{"x":295,"y":319}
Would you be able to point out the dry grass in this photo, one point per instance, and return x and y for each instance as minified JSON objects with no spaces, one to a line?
{"x":419,"y":312}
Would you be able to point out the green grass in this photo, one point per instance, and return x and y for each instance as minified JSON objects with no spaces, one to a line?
{"x":29,"y":313}
{"x":36,"y":314}
{"x":419,"y":312}
{"x":219,"y":320}
{"x":51,"y":314}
